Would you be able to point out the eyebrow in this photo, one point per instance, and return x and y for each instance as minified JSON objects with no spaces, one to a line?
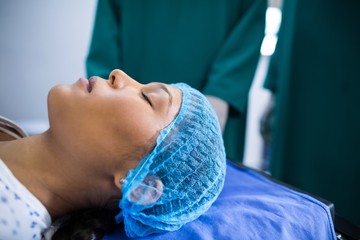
{"x":165,"y":89}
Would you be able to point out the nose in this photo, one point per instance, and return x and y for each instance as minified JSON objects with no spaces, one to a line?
{"x":120,"y":79}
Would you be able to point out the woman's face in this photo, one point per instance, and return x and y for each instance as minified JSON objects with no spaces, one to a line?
{"x":103,"y":119}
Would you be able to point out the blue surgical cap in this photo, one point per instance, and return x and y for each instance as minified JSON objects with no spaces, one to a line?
{"x":184,"y":174}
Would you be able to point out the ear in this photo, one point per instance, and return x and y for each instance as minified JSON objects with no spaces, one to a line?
{"x":118,"y":177}
{"x":148,"y":192}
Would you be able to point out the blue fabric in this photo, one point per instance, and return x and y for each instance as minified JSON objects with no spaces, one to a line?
{"x":253,"y":207}
{"x":184,"y":174}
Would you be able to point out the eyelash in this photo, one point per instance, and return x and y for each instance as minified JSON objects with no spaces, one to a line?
{"x":146,"y":98}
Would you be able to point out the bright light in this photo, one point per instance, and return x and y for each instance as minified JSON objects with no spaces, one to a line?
{"x":273,"y":20}
{"x":268,"y":45}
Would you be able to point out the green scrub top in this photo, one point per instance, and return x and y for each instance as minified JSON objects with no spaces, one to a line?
{"x":315,"y":76}
{"x":213,"y":45}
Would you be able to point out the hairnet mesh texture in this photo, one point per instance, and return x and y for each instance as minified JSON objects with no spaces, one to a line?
{"x":189,"y":159}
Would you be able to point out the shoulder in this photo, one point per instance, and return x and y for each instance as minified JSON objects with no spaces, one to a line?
{"x":9,"y":130}
{"x":21,"y":216}
{"x":18,"y":220}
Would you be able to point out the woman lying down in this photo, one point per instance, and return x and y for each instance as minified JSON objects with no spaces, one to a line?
{"x":150,"y":156}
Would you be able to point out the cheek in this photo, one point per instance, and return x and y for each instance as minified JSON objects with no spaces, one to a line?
{"x":136,"y":122}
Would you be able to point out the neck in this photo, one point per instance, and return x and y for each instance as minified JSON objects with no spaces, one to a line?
{"x":44,"y":170}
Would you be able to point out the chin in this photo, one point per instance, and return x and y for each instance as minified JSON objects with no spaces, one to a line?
{"x":58,"y":102}
{"x":57,"y":92}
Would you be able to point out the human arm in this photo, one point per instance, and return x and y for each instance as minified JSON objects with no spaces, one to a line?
{"x":221,"y":108}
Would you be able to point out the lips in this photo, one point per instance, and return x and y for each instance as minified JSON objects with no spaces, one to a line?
{"x":89,"y":84}
{"x":85,"y":82}
{"x":92,"y":81}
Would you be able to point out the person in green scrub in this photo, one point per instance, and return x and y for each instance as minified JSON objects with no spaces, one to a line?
{"x":212,"y":45}
{"x":314,"y":74}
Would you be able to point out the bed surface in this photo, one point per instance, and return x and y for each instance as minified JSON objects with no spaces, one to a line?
{"x":254,"y":207}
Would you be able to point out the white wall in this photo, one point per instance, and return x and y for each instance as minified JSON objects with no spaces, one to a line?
{"x":42,"y":43}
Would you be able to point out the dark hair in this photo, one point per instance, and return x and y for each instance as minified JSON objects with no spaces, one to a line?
{"x":86,"y":224}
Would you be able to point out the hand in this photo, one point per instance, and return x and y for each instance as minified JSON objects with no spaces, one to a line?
{"x":221,"y":108}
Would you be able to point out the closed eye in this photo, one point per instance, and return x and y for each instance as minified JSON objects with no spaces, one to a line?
{"x":146,"y":98}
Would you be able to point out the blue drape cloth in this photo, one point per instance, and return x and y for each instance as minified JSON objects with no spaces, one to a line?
{"x":254,"y":207}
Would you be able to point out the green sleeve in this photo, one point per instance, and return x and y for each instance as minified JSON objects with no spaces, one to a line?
{"x":105,"y":48}
{"x":271,"y":76}
{"x":233,"y":69}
